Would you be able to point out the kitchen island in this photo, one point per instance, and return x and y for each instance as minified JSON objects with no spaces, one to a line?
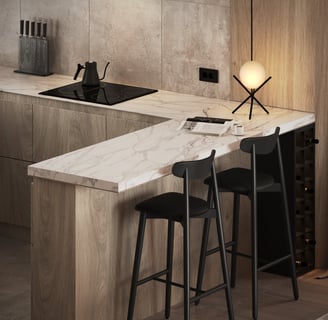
{"x":83,"y":222}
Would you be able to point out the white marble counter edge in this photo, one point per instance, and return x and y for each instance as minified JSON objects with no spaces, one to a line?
{"x":96,"y":175}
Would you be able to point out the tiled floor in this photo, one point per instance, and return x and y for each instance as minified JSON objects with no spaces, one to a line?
{"x":275,"y":298}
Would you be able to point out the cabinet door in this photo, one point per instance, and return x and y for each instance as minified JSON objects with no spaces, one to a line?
{"x":15,"y":130}
{"x":128,"y":122}
{"x":14,"y":192}
{"x":58,"y":131}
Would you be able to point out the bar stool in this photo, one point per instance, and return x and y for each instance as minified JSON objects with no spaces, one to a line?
{"x":181,"y":207}
{"x":250,"y":182}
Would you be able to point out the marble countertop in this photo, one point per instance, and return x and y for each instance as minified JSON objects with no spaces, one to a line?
{"x":135,"y":158}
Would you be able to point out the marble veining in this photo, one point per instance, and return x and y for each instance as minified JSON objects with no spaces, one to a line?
{"x":148,"y":154}
{"x":130,"y":160}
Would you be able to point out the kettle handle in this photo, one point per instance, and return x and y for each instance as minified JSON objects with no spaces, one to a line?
{"x":79,"y":68}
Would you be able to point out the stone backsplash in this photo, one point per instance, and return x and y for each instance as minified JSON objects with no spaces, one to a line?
{"x":155,"y":43}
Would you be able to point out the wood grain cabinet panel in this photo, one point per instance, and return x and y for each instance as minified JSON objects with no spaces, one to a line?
{"x":118,"y":125}
{"x":16,"y":130}
{"x":14,"y":192}
{"x":57,"y":131}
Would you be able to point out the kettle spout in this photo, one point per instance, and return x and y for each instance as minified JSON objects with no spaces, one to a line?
{"x":105,"y":71}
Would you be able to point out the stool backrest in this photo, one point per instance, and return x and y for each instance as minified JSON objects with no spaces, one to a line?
{"x":197,"y":169}
{"x":263,"y":145}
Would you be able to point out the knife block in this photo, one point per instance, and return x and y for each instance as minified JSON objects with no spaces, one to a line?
{"x":33,"y":56}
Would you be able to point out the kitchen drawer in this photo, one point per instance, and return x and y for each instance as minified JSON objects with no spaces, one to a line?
{"x":15,"y":130}
{"x":57,"y":131}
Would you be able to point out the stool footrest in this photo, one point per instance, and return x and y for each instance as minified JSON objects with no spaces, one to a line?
{"x":244,"y":255}
{"x":217,"y":249}
{"x":201,"y":294}
{"x":208,"y":292}
{"x":153,"y":277}
{"x":172,"y":283}
{"x":273,"y":263}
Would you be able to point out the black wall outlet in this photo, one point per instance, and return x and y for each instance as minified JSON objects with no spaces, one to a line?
{"x":209,"y":75}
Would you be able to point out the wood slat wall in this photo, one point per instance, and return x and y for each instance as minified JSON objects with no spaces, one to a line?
{"x":290,"y":40}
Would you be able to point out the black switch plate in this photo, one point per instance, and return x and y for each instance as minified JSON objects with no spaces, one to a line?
{"x":209,"y":75}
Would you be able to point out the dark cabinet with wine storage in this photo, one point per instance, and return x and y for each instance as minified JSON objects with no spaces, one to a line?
{"x":298,"y":152}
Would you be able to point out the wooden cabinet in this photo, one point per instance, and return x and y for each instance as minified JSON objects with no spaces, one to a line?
{"x":57,"y":131}
{"x":32,"y":130}
{"x":14,"y":192}
{"x":15,"y":156}
{"x":120,"y":123}
{"x":16,"y":130}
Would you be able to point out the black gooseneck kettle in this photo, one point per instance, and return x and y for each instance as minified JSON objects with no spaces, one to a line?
{"x":90,"y":77}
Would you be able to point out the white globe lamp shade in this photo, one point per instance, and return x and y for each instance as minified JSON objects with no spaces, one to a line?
{"x":252,"y":74}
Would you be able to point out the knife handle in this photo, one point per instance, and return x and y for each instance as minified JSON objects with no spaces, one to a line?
{"x":44,"y":29}
{"x":27,"y":27}
{"x":21,"y":28}
{"x":38,"y":29}
{"x":33,"y":28}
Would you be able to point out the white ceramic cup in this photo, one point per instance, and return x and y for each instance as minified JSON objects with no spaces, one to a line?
{"x":238,"y":130}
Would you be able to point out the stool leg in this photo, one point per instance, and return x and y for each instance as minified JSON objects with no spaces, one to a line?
{"x":285,"y":204}
{"x":136,"y":266}
{"x":169,"y":261}
{"x":254,"y":256}
{"x":223,"y":256}
{"x":224,"y":266}
{"x":290,"y":246}
{"x":202,"y":258}
{"x":235,"y":227}
{"x":186,"y":268}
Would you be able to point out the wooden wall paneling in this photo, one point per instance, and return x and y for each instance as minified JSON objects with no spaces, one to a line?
{"x":16,"y":130}
{"x":319,"y":30}
{"x":14,"y":192}
{"x":53,"y":251}
{"x":283,"y":43}
{"x":240,"y":43}
{"x":57,"y":131}
{"x":290,"y":40}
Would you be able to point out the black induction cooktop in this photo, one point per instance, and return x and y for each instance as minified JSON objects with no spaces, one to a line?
{"x":107,"y":93}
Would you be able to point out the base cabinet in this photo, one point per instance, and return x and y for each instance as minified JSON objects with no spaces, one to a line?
{"x":119,"y":123}
{"x":15,"y":192}
{"x":298,"y":152}
{"x":15,"y":156}
{"x":15,"y":130}
{"x":57,"y":131}
{"x":32,"y":130}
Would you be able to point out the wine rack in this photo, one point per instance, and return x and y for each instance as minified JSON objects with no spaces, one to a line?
{"x":304,"y":199}
{"x":298,"y":153}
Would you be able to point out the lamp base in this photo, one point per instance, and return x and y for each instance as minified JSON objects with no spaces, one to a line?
{"x":251,"y":96}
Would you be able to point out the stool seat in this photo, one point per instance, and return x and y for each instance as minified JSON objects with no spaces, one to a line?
{"x":171,"y":206}
{"x":240,"y":180}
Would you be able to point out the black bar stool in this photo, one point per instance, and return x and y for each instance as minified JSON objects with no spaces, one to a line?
{"x":181,"y":207}
{"x":250,"y":182}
